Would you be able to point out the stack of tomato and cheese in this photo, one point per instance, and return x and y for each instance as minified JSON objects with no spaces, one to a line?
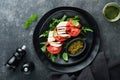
{"x":62,"y":32}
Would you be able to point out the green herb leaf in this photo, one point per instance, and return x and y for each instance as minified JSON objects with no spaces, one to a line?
{"x":65,"y":56}
{"x":56,"y":21}
{"x":63,"y":18}
{"x":45,"y":34}
{"x":74,"y":18}
{"x":52,"y":57}
{"x":43,"y":43}
{"x":75,"y":22}
{"x":43,"y":48}
{"x":30,"y":20}
{"x":86,"y":29}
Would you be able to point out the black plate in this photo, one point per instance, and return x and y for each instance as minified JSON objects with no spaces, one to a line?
{"x":93,"y":41}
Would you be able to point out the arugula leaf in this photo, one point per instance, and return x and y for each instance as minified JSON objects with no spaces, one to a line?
{"x":86,"y":29}
{"x":74,"y":18}
{"x":52,"y":57}
{"x":43,"y":43}
{"x":54,"y":23}
{"x":45,"y":34}
{"x":63,"y":18}
{"x":43,"y":48}
{"x":65,"y":56}
{"x":30,"y":20}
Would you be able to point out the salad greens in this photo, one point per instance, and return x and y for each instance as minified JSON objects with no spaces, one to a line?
{"x":85,"y":29}
{"x":45,"y":34}
{"x":56,"y":21}
{"x":65,"y":56}
{"x":52,"y":57}
{"x":30,"y":20}
{"x":53,"y":24}
{"x":43,"y":48}
{"x":74,"y":18}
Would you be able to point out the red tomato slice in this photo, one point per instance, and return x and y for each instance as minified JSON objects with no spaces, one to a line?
{"x":79,"y":26}
{"x":60,"y":38}
{"x":70,"y":24}
{"x":73,"y":31}
{"x":54,"y":50}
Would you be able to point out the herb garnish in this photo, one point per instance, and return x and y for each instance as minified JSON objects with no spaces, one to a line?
{"x":43,"y":48}
{"x":86,"y":29}
{"x":65,"y":56}
{"x":30,"y":20}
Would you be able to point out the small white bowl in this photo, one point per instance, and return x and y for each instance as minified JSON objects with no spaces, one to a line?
{"x":115,"y":5}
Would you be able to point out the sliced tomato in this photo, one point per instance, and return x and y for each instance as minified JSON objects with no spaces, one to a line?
{"x":71,"y":24}
{"x":60,"y":38}
{"x":54,"y":50}
{"x":73,"y":31}
{"x":79,"y":26}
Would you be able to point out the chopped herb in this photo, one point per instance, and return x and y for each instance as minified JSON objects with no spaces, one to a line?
{"x":30,"y":20}
{"x":65,"y":56}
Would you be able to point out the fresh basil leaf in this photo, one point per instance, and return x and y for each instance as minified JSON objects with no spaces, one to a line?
{"x":43,"y":48}
{"x":75,"y":22}
{"x":30,"y":20}
{"x":65,"y":56}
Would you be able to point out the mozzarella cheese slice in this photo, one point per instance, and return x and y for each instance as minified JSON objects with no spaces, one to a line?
{"x":56,"y":44}
{"x":65,"y":35}
{"x":50,"y":37}
{"x":62,"y":24}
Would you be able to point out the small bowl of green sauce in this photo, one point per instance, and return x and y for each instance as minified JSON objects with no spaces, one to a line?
{"x":111,"y":11}
{"x":76,"y":47}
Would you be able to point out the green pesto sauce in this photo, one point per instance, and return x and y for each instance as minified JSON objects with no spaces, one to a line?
{"x":111,"y":12}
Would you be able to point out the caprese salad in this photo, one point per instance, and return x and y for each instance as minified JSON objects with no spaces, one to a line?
{"x":61,"y":30}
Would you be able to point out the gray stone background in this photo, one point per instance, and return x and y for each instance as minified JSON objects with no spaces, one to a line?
{"x":13,"y":14}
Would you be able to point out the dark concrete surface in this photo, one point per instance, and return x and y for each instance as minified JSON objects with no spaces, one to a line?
{"x":13,"y":14}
